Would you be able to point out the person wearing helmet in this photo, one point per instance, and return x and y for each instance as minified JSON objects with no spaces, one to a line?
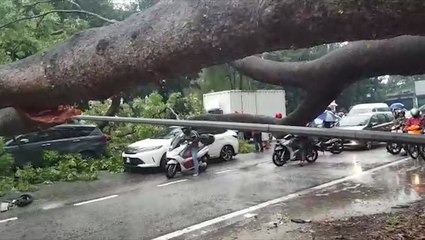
{"x":193,"y":137}
{"x":416,"y":119}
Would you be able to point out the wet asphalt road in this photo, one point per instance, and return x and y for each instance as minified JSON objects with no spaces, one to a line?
{"x":145,"y":206}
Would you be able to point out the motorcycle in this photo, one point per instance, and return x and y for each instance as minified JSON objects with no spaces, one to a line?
{"x":179,"y":155}
{"x":395,"y":148}
{"x":412,"y":149}
{"x":333,"y":145}
{"x":290,"y":149}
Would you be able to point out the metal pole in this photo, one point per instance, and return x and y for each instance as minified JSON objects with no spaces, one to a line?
{"x":306,"y":131}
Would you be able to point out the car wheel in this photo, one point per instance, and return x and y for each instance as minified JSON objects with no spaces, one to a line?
{"x":163,"y":163}
{"x":369,"y":145}
{"x":227,"y":153}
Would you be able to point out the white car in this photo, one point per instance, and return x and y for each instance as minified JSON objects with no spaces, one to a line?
{"x":152,"y":152}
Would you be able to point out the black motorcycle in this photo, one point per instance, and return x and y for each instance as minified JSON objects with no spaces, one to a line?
{"x":333,"y":145}
{"x":291,"y":148}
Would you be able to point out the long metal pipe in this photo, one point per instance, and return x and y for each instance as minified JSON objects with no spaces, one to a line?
{"x":306,"y":131}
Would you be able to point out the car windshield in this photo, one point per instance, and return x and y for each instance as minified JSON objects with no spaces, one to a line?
{"x":168,"y":133}
{"x":351,"y":121}
{"x":360,"y":110}
{"x":178,"y":139}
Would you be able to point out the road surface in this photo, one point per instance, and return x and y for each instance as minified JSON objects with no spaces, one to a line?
{"x":148,"y":206}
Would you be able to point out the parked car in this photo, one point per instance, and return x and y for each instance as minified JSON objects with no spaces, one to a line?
{"x":365,"y":121}
{"x":369,"y":108}
{"x":88,"y":140}
{"x":152,"y":152}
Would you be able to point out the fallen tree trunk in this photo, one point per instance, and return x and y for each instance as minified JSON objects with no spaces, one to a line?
{"x":98,"y":63}
{"x":146,"y":47}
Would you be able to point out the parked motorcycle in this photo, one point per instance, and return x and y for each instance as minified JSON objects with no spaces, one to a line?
{"x":333,"y":145}
{"x":179,"y":155}
{"x":290,"y":149}
{"x":412,"y":149}
{"x":395,"y":148}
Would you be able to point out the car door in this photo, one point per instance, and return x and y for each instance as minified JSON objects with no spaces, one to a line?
{"x":215,"y":148}
{"x":29,"y":148}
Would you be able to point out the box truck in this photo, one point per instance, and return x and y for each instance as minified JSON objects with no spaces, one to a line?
{"x":260,"y":102}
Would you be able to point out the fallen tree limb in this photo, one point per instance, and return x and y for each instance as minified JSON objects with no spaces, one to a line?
{"x":99,"y":62}
{"x":325,"y":78}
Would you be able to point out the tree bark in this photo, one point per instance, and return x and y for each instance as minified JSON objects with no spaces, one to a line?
{"x":113,"y":109}
{"x":176,"y":37}
{"x":325,"y":78}
{"x":98,"y":63}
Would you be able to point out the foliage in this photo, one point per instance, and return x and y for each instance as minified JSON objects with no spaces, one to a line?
{"x":60,"y":167}
{"x":6,"y":161}
{"x":245,"y":147}
{"x":25,"y":38}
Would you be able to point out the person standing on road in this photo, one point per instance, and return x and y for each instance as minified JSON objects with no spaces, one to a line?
{"x":329,"y":118}
{"x":257,"y":141}
{"x":193,"y":137}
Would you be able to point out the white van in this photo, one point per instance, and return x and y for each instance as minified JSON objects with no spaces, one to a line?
{"x":369,"y":108}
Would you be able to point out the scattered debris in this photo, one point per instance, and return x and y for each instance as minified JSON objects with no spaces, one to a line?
{"x":401,"y":206}
{"x":407,"y":223}
{"x":300,"y":221}
{"x":21,"y":201}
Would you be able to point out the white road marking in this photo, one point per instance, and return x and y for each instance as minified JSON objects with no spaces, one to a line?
{"x":8,"y":220}
{"x":250,"y":215}
{"x":225,"y":171}
{"x":95,"y":200}
{"x":241,"y":212}
{"x":169,"y":183}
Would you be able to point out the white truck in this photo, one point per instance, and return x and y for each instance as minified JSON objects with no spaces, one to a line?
{"x":260,"y":102}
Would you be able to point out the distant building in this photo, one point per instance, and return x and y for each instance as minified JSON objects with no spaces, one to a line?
{"x":410,"y":96}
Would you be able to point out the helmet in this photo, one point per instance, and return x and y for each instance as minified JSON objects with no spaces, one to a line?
{"x":278,"y":115}
{"x":415,"y":112}
{"x":186,"y":130}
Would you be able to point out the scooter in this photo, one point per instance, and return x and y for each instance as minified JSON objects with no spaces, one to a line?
{"x":289,"y":149}
{"x":414,"y":150}
{"x":180,"y":159}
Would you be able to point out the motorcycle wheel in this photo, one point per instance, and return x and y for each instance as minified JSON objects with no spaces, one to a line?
{"x":171,"y":170}
{"x":413,"y":151}
{"x":312,"y":155}
{"x":203,"y":165}
{"x":422,"y":151}
{"x":337,"y":147}
{"x":394,"y":148}
{"x":280,"y":157}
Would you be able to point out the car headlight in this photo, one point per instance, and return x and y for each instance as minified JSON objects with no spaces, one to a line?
{"x":142,"y":149}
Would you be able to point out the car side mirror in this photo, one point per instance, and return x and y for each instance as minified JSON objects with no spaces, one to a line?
{"x":24,"y":141}
{"x":373,"y":124}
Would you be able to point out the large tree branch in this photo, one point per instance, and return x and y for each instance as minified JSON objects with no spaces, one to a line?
{"x":178,"y":37}
{"x":97,"y":63}
{"x":325,"y":78}
{"x":44,"y":14}
{"x":113,"y":109}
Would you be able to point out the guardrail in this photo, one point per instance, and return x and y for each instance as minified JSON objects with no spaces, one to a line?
{"x":306,"y":131}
